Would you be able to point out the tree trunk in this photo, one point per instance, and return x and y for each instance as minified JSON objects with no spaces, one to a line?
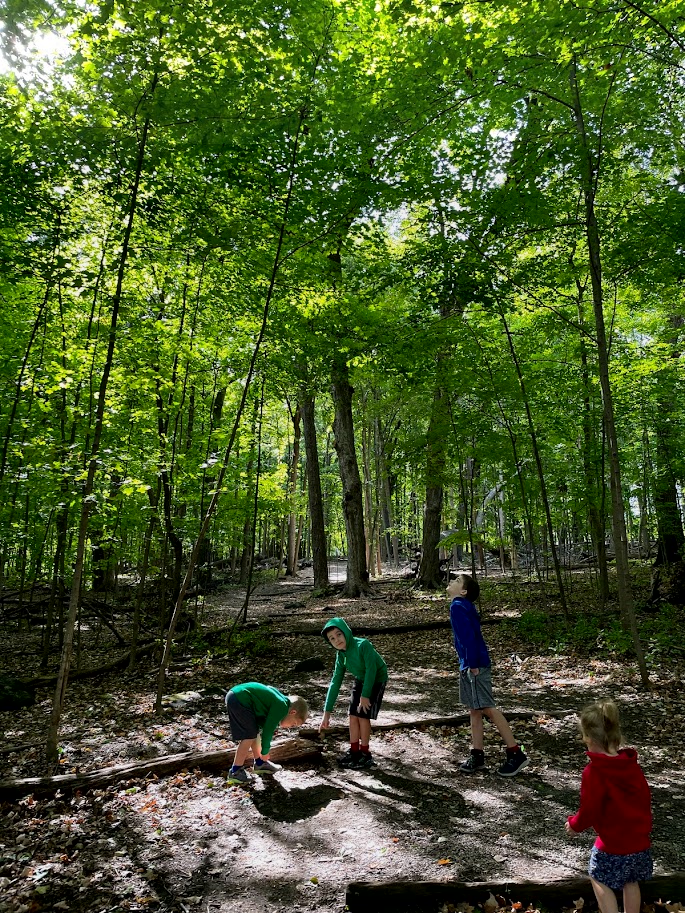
{"x":436,"y":458}
{"x":589,"y":178}
{"x":357,"y":581}
{"x":291,"y":562}
{"x":67,"y":650}
{"x":319,"y":553}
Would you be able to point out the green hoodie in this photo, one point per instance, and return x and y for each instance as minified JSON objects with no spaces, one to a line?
{"x":359,"y":657}
{"x":269,"y":706}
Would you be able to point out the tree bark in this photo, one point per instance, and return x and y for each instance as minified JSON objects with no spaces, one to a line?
{"x":589,"y":179}
{"x":319,"y":556}
{"x":436,"y":459}
{"x":291,"y":561}
{"x":357,"y":580}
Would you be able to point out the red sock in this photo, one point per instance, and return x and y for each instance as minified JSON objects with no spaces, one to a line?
{"x":364,"y":748}
{"x":354,"y":747}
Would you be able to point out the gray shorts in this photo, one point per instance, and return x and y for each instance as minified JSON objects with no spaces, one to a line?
{"x":241,"y":718}
{"x":475,"y":691}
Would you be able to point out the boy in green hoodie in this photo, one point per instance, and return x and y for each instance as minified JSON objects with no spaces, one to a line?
{"x":255,"y":711}
{"x":358,"y":656}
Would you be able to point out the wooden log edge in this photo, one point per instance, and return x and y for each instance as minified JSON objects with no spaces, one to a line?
{"x":420,"y":896}
{"x":462,"y":719}
{"x":293,"y":751}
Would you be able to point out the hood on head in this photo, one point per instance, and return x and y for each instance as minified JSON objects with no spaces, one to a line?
{"x":342,"y":625}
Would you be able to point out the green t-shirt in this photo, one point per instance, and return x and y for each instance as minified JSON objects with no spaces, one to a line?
{"x":269,"y":706}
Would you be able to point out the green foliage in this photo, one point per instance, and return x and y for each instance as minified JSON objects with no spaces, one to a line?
{"x":604,"y":634}
{"x":245,"y":644}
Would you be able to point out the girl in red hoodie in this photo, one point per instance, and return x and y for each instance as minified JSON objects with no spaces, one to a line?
{"x":615,"y":801}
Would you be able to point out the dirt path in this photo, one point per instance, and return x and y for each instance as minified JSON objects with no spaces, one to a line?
{"x":293,"y":842}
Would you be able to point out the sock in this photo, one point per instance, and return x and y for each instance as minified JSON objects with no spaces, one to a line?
{"x":514,"y":750}
{"x":477,"y":751}
{"x":259,"y":762}
{"x":364,"y":748}
{"x":236,"y":767}
{"x":354,"y":747}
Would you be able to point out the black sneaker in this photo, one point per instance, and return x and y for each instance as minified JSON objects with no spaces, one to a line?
{"x":365,"y":761}
{"x":350,"y":759}
{"x":474,"y":762}
{"x":515,"y":763}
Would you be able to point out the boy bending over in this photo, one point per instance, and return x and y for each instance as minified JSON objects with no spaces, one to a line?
{"x":255,"y":711}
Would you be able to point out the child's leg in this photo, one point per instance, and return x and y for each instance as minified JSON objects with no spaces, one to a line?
{"x":354,"y":729}
{"x":632,"y":899}
{"x":605,"y":897}
{"x":257,"y":748}
{"x":243,"y":750}
{"x":476,"y":729}
{"x":500,"y":722}
{"x":364,"y":730}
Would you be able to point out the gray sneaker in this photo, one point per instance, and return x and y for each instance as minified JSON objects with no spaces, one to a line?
{"x":238,"y":776}
{"x":266,"y":767}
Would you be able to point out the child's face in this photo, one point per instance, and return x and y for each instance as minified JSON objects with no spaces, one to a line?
{"x":292,"y":720}
{"x":456,"y":588}
{"x":336,"y":638}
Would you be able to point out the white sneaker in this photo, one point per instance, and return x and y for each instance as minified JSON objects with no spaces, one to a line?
{"x":266,"y":767}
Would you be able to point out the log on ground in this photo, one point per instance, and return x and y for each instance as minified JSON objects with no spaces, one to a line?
{"x":461,"y":719}
{"x":291,"y":751}
{"x":428,"y":896}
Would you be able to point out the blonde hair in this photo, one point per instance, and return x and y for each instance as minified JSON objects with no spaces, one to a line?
{"x":600,"y":723}
{"x":300,"y":706}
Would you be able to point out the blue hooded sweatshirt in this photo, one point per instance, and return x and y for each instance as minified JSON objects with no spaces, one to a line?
{"x":468,"y":640}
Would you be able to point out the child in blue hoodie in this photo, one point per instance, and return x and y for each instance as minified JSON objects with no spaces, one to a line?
{"x":358,"y":656}
{"x":475,"y":681}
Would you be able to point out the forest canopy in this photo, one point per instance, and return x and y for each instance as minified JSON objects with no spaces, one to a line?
{"x":325,"y":277}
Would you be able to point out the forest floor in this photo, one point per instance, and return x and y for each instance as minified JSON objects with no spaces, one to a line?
{"x":293,"y":842}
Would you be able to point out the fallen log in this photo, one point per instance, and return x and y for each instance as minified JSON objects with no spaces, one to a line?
{"x":441,"y":625}
{"x":428,"y":896}
{"x":287,"y":752}
{"x":461,"y":719}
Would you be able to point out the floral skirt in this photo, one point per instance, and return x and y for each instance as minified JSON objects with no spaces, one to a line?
{"x":617,"y":871}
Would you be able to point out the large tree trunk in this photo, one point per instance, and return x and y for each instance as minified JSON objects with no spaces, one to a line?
{"x":664,"y":485}
{"x":357,"y":581}
{"x":319,"y":556}
{"x":589,"y":180}
{"x":593,"y":466}
{"x":291,"y":561}
{"x":436,"y":459}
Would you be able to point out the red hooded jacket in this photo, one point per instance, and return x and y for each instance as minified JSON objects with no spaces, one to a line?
{"x":615,"y":801}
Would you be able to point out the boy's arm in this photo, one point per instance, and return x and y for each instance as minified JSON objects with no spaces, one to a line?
{"x":336,"y":682}
{"x":465,"y":633}
{"x":277,"y":712}
{"x":373,"y":661}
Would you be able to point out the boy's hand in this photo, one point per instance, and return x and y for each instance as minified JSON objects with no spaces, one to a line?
{"x":569,"y":829}
{"x":474,"y":671}
{"x":364,"y":704}
{"x":325,"y":722}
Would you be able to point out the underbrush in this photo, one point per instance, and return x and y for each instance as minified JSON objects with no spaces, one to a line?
{"x":603,"y":634}
{"x":244,"y":643}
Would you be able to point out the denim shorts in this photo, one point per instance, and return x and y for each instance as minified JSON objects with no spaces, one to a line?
{"x":475,"y":691}
{"x":617,"y":871}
